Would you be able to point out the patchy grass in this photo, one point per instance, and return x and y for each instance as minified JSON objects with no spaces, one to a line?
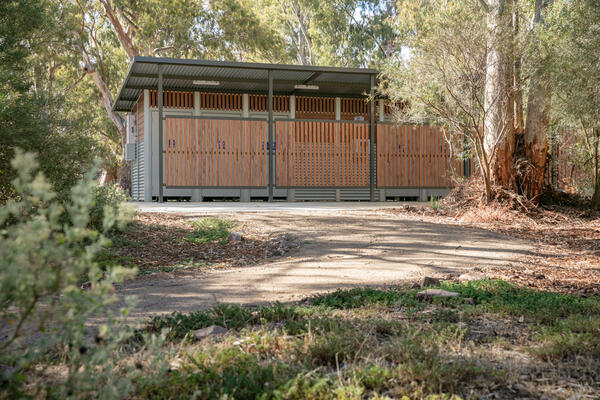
{"x":166,"y":243}
{"x":208,"y":230}
{"x":370,"y":343}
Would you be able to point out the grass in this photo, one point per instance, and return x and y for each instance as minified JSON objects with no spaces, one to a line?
{"x":189,"y":264}
{"x":370,"y":343}
{"x":208,"y":230}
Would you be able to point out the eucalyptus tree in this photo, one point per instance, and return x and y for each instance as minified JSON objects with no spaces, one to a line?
{"x":576,"y":79}
{"x":350,"y":33}
{"x":32,"y":106}
{"x":105,"y":34}
{"x":469,"y":67}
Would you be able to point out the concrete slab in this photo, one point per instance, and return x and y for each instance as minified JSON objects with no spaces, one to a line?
{"x":278,"y":206}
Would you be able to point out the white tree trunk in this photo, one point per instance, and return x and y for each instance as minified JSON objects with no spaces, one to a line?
{"x":499,"y":100}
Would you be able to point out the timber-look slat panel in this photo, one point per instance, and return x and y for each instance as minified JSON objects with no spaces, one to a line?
{"x":414,"y":156}
{"x":233,"y":153}
{"x":309,"y":154}
{"x":215,"y":152}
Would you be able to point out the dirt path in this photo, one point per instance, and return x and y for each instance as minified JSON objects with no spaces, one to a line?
{"x":338,"y":248}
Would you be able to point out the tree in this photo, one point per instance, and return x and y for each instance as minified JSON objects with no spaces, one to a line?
{"x":443,"y":78}
{"x":453,"y":76}
{"x":348,"y":33}
{"x":31,"y":109}
{"x":575,"y":74}
{"x":499,"y":97}
{"x":538,"y":113}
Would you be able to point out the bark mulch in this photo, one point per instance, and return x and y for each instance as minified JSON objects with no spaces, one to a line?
{"x":567,"y":243}
{"x":157,"y":243}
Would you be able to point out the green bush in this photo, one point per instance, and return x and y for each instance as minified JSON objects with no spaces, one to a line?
{"x":42,"y":262}
{"x":109,"y":196}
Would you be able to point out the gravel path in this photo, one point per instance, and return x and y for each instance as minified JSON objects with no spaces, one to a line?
{"x":340,"y":247}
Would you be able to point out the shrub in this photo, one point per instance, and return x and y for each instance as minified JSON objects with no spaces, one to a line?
{"x":42,"y":262}
{"x":109,"y":196}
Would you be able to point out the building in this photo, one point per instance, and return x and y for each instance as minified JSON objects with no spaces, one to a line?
{"x":269,"y":131}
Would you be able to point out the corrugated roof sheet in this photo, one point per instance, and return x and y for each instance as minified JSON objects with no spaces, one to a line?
{"x":179,"y":74}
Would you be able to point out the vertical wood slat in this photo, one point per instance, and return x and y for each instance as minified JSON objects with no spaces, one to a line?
{"x":414,"y":156}
{"x":308,"y":153}
{"x":321,"y":154}
{"x":214,"y":153}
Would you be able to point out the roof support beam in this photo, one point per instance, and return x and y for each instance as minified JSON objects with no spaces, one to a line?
{"x":188,"y":78}
{"x":271,"y":142}
{"x":309,"y":80}
{"x":372,"y":141}
{"x":161,"y":155}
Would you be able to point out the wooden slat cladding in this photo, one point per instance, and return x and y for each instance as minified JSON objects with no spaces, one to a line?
{"x":321,"y":154}
{"x":215,"y":152}
{"x":414,"y":156}
{"x":321,"y":106}
{"x":221,"y":101}
{"x":139,"y":116}
{"x":173,"y":99}
{"x":350,"y":108}
{"x":259,"y":102}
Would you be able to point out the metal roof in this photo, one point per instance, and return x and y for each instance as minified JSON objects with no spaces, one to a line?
{"x":239,"y":77}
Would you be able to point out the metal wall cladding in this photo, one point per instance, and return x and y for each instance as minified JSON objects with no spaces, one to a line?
{"x":137,"y":173}
{"x":315,"y":194}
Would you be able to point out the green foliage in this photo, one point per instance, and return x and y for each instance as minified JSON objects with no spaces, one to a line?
{"x":210,"y":229}
{"x":358,"y":343}
{"x":42,"y":261}
{"x":543,"y":307}
{"x":574,"y":35}
{"x":348,"y":33}
{"x":31,"y":117}
{"x":434,"y":203}
{"x":107,"y":198}
{"x":228,"y":316}
{"x":360,"y":297}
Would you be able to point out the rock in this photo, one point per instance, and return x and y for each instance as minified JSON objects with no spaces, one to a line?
{"x":235,"y":237}
{"x":429,"y":281}
{"x":209,"y":331}
{"x":431,"y":293}
{"x":471,"y":276}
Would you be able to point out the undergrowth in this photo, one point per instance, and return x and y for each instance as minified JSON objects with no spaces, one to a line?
{"x":208,"y":230}
{"x":384,"y":343}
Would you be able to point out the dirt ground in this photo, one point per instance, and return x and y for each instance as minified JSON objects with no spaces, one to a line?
{"x":338,"y":247}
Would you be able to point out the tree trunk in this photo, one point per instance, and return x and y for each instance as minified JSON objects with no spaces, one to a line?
{"x":125,"y":33}
{"x":499,"y":100}
{"x":596,"y":196}
{"x":538,"y":122}
{"x":519,"y":120}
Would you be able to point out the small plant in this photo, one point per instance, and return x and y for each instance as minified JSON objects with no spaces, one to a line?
{"x":434,"y":203}
{"x":208,"y":230}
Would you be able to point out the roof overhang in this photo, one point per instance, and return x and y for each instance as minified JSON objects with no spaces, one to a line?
{"x":238,"y":77}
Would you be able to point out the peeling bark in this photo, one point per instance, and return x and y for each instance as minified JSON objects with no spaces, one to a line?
{"x":499,"y":100}
{"x":538,"y":122}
